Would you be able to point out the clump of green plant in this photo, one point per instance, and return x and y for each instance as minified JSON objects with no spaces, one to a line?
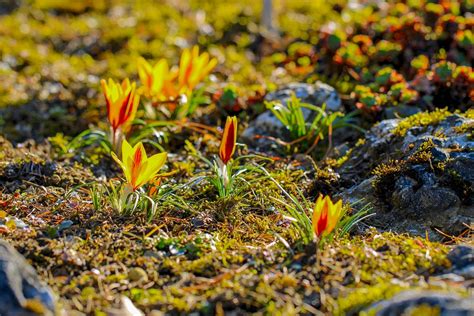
{"x":148,"y":202}
{"x":388,"y":89}
{"x":305,"y":135}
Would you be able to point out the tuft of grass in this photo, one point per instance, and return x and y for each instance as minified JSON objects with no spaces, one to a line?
{"x":304,"y":134}
{"x":299,"y":212}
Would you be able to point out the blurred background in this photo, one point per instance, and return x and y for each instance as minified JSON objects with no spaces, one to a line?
{"x":414,"y":55}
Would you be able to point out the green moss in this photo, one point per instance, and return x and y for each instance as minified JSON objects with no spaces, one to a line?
{"x":386,"y":173}
{"x":421,"y":119}
{"x":469,"y":113}
{"x":423,"y":309}
{"x":424,"y":119}
{"x":363,"y":297}
{"x":341,"y":160}
{"x":382,"y":260}
{"x":465,"y":128}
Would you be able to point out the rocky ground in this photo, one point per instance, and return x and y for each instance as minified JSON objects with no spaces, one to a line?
{"x":399,"y":74}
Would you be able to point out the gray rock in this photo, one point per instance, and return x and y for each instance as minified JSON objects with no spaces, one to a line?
{"x":20,"y":286}
{"x":266,"y":124}
{"x":405,"y":302}
{"x":400,"y":111}
{"x":316,"y":94}
{"x":363,"y":189}
{"x":462,"y":260}
{"x":461,"y":256}
{"x":8,"y":6}
{"x":424,"y":195}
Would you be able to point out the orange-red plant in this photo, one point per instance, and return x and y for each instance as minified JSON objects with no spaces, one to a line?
{"x":158,"y":80}
{"x":193,"y":68}
{"x":229,"y":139}
{"x":326,"y":215}
{"x":137,"y":167}
{"x":122,"y":103}
{"x":173,"y":86}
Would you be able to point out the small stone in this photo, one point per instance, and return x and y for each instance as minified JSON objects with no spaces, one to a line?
{"x":176,"y":251}
{"x":197,"y":222}
{"x":19,"y":224}
{"x":154,"y":254}
{"x":137,"y":275}
{"x":126,"y":309}
{"x":65,"y":225}
{"x":70,"y":256}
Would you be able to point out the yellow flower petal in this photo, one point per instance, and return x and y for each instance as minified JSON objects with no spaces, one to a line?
{"x":154,"y":164}
{"x":326,"y":215}
{"x":122,"y":102}
{"x":137,"y":167}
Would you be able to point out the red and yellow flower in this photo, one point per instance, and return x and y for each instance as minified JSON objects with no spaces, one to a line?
{"x":326,"y":215}
{"x":193,"y":68}
{"x":122,"y":103}
{"x":158,"y":81}
{"x":162,"y":83}
{"x":137,"y":167}
{"x":229,"y":139}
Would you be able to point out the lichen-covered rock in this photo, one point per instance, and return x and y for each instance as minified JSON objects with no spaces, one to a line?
{"x":266,"y":124}
{"x":420,"y":180}
{"x":21,"y":291}
{"x":424,"y":303}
